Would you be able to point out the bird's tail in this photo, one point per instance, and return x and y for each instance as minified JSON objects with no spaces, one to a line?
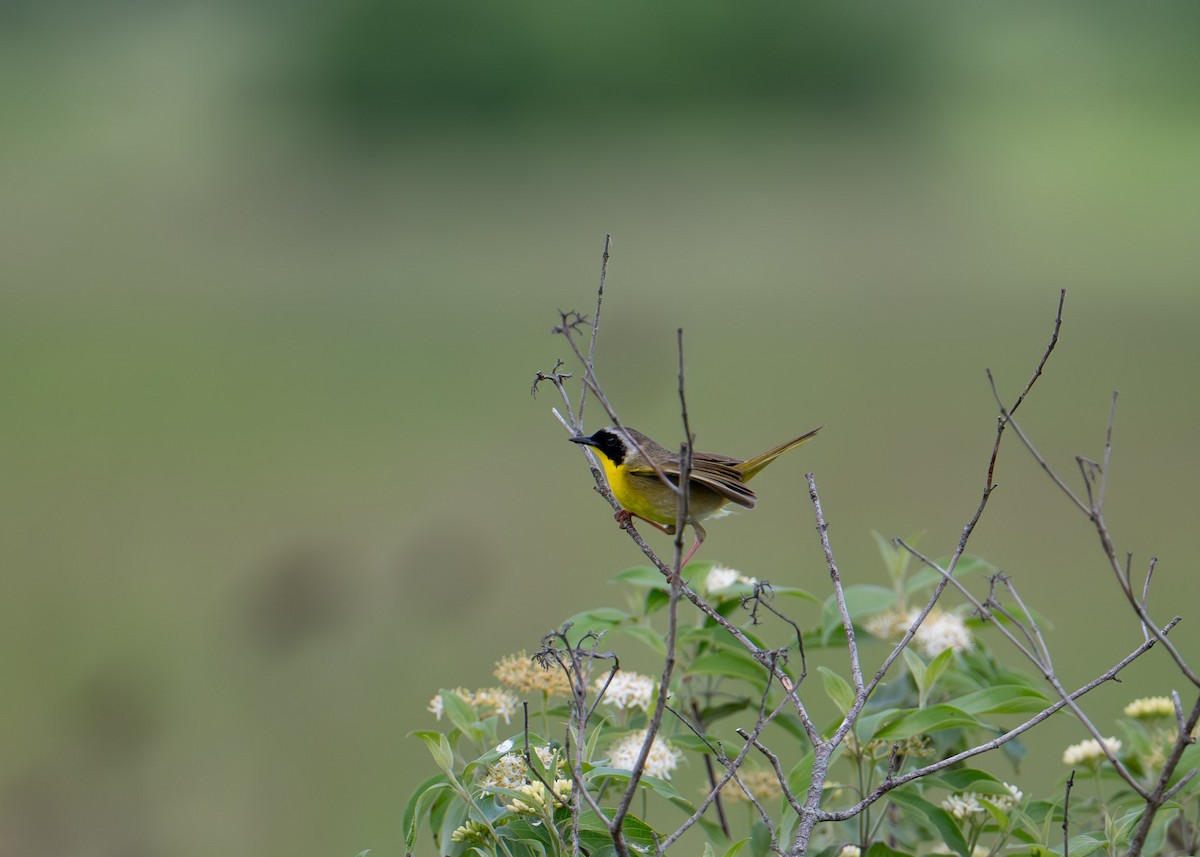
{"x":751,"y":466}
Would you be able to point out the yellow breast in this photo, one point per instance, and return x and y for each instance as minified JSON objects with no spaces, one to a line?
{"x":654,"y":501}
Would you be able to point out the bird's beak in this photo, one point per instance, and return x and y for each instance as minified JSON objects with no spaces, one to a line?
{"x":584,"y":439}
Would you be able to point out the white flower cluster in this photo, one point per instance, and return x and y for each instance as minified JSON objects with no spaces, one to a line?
{"x":662,"y":759}
{"x":509,"y":771}
{"x":941,"y":631}
{"x":485,"y":701}
{"x":1089,"y":751}
{"x":888,"y":625}
{"x":1006,"y":802}
{"x":722,"y":578}
{"x":965,"y":804}
{"x":627,"y":690}
{"x":1150,"y":706}
{"x":850,"y":851}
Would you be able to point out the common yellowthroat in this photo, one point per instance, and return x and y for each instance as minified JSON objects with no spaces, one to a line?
{"x":715,"y":481}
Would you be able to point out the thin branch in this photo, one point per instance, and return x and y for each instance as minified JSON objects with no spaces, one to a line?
{"x":1146,"y":593}
{"x":708,"y":765}
{"x":1066,"y":815}
{"x":836,"y":578}
{"x":1044,"y":663}
{"x":822,"y":751}
{"x":1007,"y":416}
{"x":1037,"y":373}
{"x":761,"y":597}
{"x":591,"y":358}
{"x":565,"y":329}
{"x":681,"y":518}
{"x":1161,"y":793}
{"x":779,"y":774}
{"x":983,"y":609}
{"x":1043,"y":649}
{"x":731,"y":766}
{"x":884,"y":788}
{"x":1112,"y":415}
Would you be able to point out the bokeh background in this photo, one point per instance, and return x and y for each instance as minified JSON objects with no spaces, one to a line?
{"x":277,"y":276}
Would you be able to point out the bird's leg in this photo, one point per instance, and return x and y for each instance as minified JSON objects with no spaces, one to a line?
{"x":624,"y":516}
{"x":700,"y":535}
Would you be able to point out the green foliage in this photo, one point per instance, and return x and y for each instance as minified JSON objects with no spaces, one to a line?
{"x":488,"y":800}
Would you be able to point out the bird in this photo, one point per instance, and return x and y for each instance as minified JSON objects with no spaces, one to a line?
{"x":629,"y":458}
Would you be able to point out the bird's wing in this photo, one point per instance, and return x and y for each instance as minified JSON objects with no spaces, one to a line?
{"x":716,"y":472}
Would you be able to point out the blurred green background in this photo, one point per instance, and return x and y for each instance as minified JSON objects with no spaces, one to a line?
{"x":277,"y":277}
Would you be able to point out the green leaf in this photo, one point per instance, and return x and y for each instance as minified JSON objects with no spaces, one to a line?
{"x":732,"y":850}
{"x":895,"y":558}
{"x":713,"y":713}
{"x":878,"y":849}
{"x":659,"y":786}
{"x":935,"y":669}
{"x":916,"y":668}
{"x":461,"y":714}
{"x":797,"y":592}
{"x":599,"y":619}
{"x":637,"y":833}
{"x":968,"y":779}
{"x":1003,"y":699}
{"x":646,"y":634}
{"x":941,"y":820}
{"x":426,"y":792}
{"x":998,"y":815}
{"x":731,"y":663}
{"x":927,"y":720}
{"x":439,"y":748}
{"x":520,"y":830}
{"x":760,"y":838}
{"x":656,"y":599}
{"x":868,"y":725}
{"x":800,"y":776}
{"x":838,"y":690}
{"x":1083,"y":845}
{"x":861,"y":600}
{"x":643,"y":576}
{"x":1124,"y":824}
{"x":456,"y":814}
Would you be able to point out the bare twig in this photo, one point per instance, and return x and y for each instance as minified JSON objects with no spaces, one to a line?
{"x":836,"y":578}
{"x":1039,"y":655}
{"x":708,"y":765}
{"x":569,"y":322}
{"x":731,"y":766}
{"x":1146,"y":593}
{"x":884,"y":788}
{"x":778,"y":768}
{"x":591,"y":358}
{"x":761,"y":597}
{"x":1112,"y":415}
{"x":676,"y":579}
{"x":1162,"y":792}
{"x":1066,"y":824}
